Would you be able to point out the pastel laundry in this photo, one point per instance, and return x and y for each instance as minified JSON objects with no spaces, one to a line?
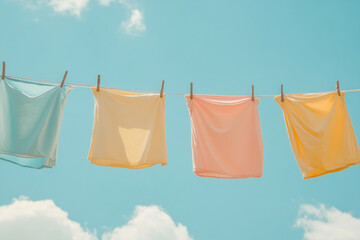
{"x":30,"y":120}
{"x":129,"y":129}
{"x":320,"y":132}
{"x":226,"y":136}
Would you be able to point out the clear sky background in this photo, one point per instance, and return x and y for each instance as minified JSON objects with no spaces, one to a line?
{"x":221,"y":46}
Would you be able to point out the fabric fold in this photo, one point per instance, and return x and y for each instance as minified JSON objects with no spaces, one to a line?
{"x":320,"y":132}
{"x":226,"y":136}
{"x":30,"y":120}
{"x":129,"y":129}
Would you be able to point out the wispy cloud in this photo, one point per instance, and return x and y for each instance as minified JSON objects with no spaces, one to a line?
{"x":126,"y":3}
{"x":135,"y":24}
{"x":44,"y":220}
{"x":105,"y":2}
{"x":31,"y":4}
{"x":321,"y":223}
{"x":74,"y":7}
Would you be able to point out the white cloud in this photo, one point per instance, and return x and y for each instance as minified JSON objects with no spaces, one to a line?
{"x":135,"y":24}
{"x":40,"y":220}
{"x":74,"y":7}
{"x":321,"y":223}
{"x":105,"y":2}
{"x":148,"y":223}
{"x":43,"y":220}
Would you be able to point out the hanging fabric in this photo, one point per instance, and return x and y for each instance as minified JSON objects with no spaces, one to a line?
{"x":30,"y":119}
{"x":226,"y":136}
{"x":129,"y":129}
{"x":320,"y":132}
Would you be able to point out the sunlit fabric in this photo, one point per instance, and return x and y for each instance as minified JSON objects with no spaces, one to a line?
{"x":30,"y":119}
{"x":320,"y":132}
{"x":226,"y":136}
{"x":129,"y":129}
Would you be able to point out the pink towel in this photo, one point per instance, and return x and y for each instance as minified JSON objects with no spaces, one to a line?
{"x":226,"y":136}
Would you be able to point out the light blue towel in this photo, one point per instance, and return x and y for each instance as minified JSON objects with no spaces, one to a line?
{"x":30,"y":119}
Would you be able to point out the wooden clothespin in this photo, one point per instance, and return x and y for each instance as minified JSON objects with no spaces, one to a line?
{"x":338,"y":88}
{"x":3,"y":71}
{"x":191,"y":90}
{"x":162,"y":88}
{"x":282,"y":93}
{"x":252,"y":93}
{"x":63,"y":81}
{"x":98,"y":84}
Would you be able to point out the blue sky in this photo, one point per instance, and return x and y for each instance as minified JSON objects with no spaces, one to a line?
{"x":221,"y":46}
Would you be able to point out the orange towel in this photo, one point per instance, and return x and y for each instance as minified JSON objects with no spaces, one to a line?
{"x":320,"y":132}
{"x":226,"y":136}
{"x":129,"y":129}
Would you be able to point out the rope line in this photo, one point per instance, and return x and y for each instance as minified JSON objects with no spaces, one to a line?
{"x":31,"y":80}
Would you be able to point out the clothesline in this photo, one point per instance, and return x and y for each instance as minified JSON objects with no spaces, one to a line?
{"x":129,"y":132}
{"x":124,"y":89}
